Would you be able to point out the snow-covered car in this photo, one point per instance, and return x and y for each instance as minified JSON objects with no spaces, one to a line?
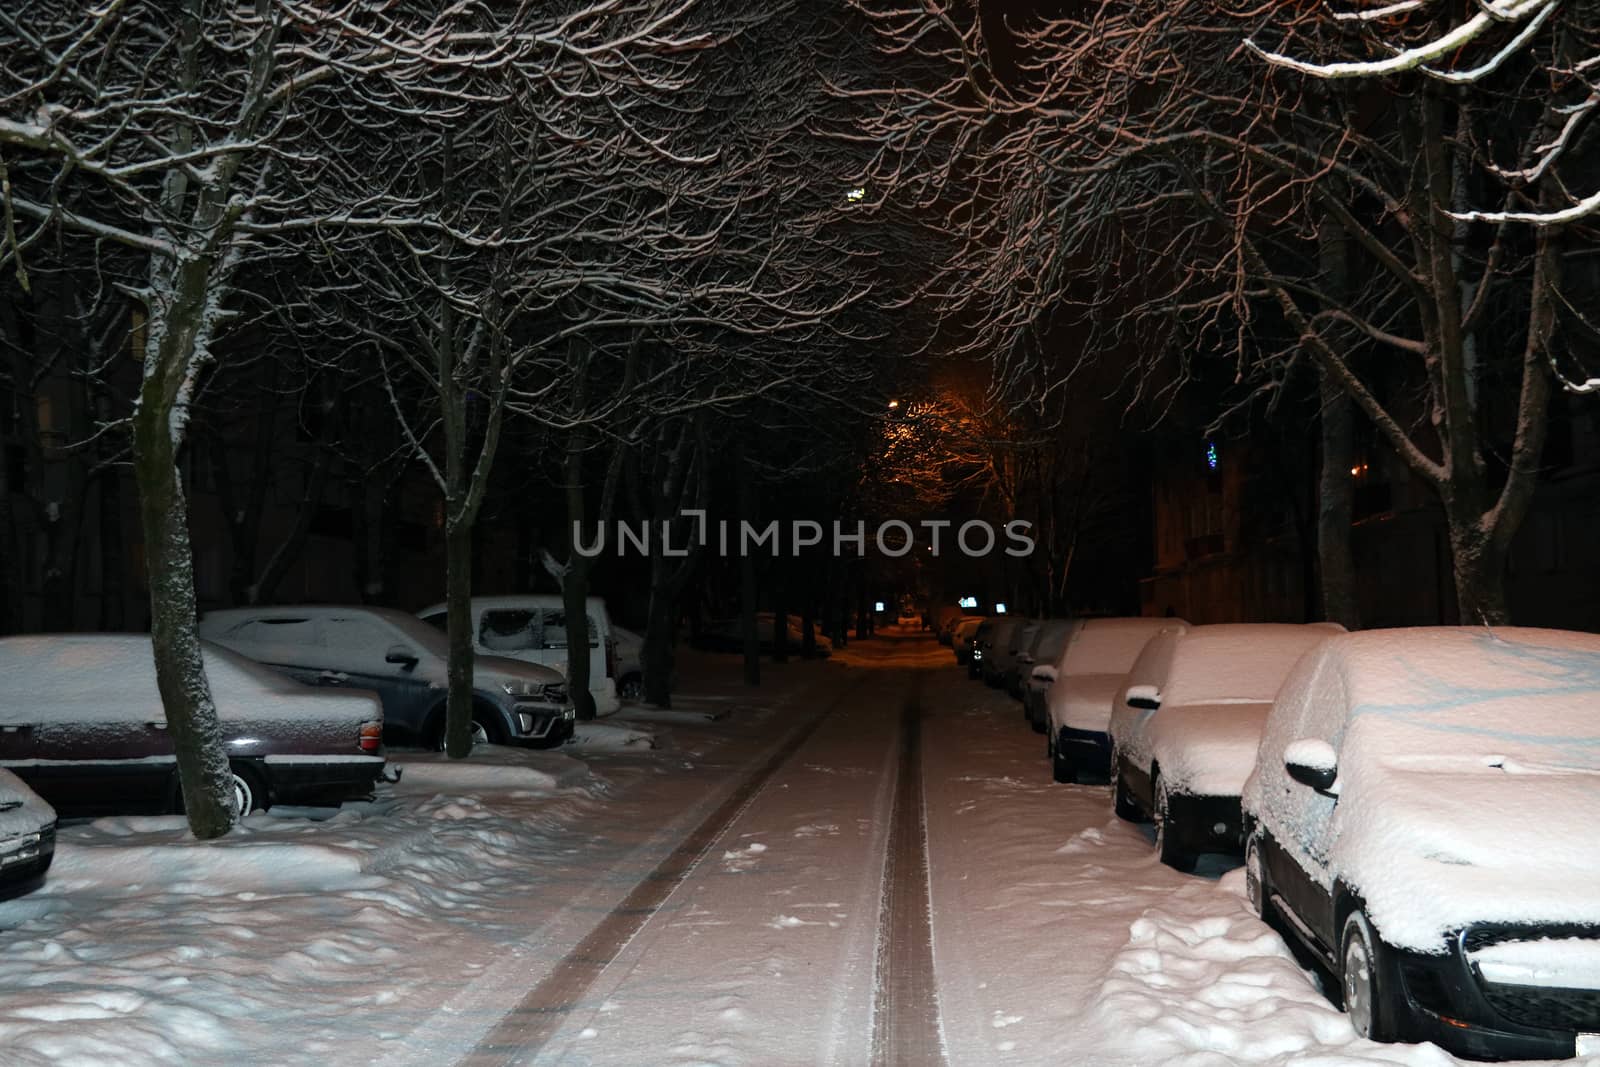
{"x":961,"y":636}
{"x":1084,"y":682}
{"x":1001,"y":663}
{"x":1422,"y":819}
{"x":630,"y":663}
{"x":81,"y":721}
{"x":982,"y":639}
{"x":997,"y":646}
{"x":27,"y":833}
{"x":404,"y":661}
{"x":1048,"y":641}
{"x":1185,"y":729}
{"x":533,"y":627}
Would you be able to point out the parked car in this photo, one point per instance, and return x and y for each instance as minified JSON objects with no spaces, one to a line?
{"x":961,"y":637}
{"x":81,"y":721}
{"x":1089,"y":674}
{"x":1015,"y":677}
{"x":982,"y":639}
{"x":403,"y":660}
{"x":1037,"y":669}
{"x":944,"y":620}
{"x":533,"y":628}
{"x":1185,"y":731}
{"x":1422,"y":820}
{"x":27,"y":833}
{"x":999,"y":648}
{"x":1005,"y":661}
{"x":630,"y":663}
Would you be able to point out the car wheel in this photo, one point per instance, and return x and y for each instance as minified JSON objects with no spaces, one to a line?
{"x":1172,"y":853}
{"x":245,"y":792}
{"x":631,"y":687}
{"x":1061,"y":768}
{"x":1255,"y":878}
{"x":1122,"y":801}
{"x":1361,"y":979}
{"x":484,"y":732}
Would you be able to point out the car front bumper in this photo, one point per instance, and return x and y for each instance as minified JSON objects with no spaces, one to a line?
{"x":1089,"y":751}
{"x":1206,"y":823}
{"x":1445,"y":999}
{"x":543,"y":725}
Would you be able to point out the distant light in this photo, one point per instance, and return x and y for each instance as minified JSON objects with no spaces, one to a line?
{"x":967,"y":602}
{"x":1212,"y":458}
{"x":893,"y":404}
{"x":1358,"y":470}
{"x":877,"y":605}
{"x":999,"y":609}
{"x":858,"y":193}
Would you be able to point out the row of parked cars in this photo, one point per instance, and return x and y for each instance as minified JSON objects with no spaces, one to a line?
{"x":1416,"y":809}
{"x":307,"y":696}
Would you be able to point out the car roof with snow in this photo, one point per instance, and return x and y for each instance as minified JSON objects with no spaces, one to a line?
{"x":1226,"y":663}
{"x":1110,"y":646}
{"x":1492,"y":692}
{"x":112,"y":678}
{"x":215,"y":623}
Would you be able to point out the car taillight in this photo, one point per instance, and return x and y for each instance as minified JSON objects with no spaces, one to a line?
{"x":371,"y":736}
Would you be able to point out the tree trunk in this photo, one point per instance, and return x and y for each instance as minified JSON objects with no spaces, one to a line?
{"x":1480,"y":570}
{"x":575,"y":590}
{"x":458,"y":613}
{"x":657,"y":654}
{"x":203,"y":772}
{"x":808,"y":631}
{"x":10,"y":586}
{"x":780,"y":626}
{"x":1336,"y":506}
{"x":747,"y":578}
{"x":113,"y":603}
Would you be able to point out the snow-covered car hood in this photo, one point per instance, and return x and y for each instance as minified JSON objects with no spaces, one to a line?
{"x":526,"y":679}
{"x":1435,"y":845}
{"x":1083,"y":701}
{"x":1207,"y":749}
{"x":22,"y":811}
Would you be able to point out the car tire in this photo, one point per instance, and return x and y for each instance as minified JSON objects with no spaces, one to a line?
{"x":485,"y":730}
{"x":1061,"y":766}
{"x":1363,"y":979}
{"x":249,"y":791}
{"x":1257,"y":889}
{"x":1122,"y":801}
{"x":1168,"y":846}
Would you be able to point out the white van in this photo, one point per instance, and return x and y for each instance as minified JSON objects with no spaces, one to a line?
{"x":534,"y":628}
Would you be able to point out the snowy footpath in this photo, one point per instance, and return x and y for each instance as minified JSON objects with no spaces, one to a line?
{"x":711,"y":885}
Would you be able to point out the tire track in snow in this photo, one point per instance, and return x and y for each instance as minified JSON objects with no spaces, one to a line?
{"x":906,"y":1026}
{"x":526,"y":1028}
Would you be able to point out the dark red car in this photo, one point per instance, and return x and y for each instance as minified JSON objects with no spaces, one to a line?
{"x":81,"y":722}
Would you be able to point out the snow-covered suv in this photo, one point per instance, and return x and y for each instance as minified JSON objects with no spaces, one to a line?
{"x":1422,"y":817}
{"x":1184,"y":732}
{"x":404,"y":661}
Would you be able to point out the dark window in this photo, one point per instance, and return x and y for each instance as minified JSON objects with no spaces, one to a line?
{"x":509,"y":630}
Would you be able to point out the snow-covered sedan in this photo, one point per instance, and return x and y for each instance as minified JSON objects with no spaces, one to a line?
{"x":1185,"y":730}
{"x":27,"y":833}
{"x":1036,"y":669}
{"x":1422,"y":818}
{"x":1089,"y":674}
{"x":405,"y":661}
{"x":81,"y":721}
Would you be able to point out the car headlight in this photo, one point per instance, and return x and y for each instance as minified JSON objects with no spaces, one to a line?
{"x":521,"y":689}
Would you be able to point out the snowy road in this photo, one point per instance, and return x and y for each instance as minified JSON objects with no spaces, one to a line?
{"x":865,"y":862}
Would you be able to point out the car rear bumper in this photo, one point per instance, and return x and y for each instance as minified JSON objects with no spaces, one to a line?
{"x":321,"y":781}
{"x":24,"y":857}
{"x":1445,"y":1000}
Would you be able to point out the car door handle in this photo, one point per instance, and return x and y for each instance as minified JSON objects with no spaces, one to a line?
{"x":333,"y":677}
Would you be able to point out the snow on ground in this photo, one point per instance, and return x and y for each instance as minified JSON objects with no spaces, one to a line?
{"x":336,"y":939}
{"x":1058,"y":936}
{"x":403,"y":930}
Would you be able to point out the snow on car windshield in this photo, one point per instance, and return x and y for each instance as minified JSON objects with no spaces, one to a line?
{"x":1235,"y":664}
{"x":1514,"y":701}
{"x":1109,"y":646}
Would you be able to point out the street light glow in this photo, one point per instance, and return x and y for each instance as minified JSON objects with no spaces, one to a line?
{"x":856,"y":194}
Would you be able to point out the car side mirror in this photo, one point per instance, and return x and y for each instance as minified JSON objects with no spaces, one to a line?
{"x":1143,"y":697}
{"x":1313,"y":763}
{"x":402,"y":655}
{"x":1044,"y":673}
